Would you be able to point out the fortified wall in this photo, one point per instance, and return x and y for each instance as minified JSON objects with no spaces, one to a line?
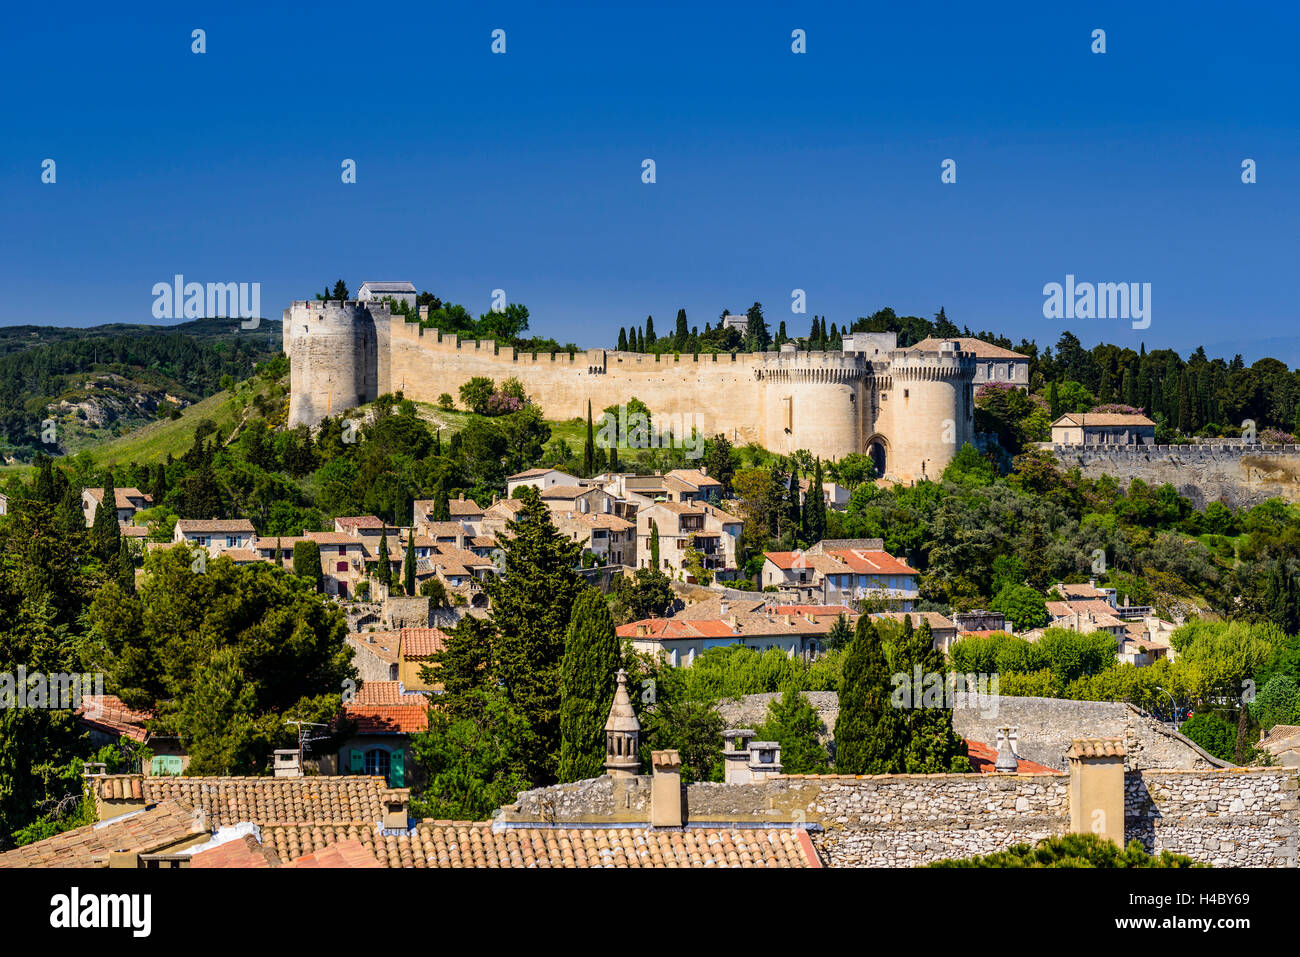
{"x":1237,"y":475}
{"x":1235,"y":817}
{"x":911,"y":410}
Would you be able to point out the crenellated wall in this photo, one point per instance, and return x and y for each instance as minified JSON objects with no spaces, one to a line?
{"x":917,"y":406}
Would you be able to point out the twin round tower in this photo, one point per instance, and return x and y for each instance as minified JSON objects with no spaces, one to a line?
{"x":909,"y":409}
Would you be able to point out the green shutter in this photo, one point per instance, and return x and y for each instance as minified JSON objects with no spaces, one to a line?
{"x":165,"y":764}
{"x":397,"y":770}
{"x":358,"y":761}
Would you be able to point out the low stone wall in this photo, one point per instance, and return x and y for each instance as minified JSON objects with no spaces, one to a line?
{"x":913,"y":819}
{"x":1239,"y":475}
{"x":1226,"y":818}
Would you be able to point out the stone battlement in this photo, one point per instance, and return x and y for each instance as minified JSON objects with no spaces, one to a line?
{"x":910,"y":409}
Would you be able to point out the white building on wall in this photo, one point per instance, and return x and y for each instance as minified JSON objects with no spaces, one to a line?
{"x":378,"y":291}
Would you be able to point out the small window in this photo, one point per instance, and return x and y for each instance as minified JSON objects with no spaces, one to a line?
{"x":377,"y":762}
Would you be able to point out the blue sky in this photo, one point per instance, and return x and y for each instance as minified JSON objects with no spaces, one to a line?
{"x":775,"y":171}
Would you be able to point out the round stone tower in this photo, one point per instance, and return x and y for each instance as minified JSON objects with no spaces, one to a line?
{"x":927,"y":410}
{"x":812,"y":401}
{"x":333,"y":359}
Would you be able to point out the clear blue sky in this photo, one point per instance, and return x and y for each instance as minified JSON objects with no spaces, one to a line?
{"x":775,"y":171}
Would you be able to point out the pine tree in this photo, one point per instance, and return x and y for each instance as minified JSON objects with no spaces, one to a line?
{"x":866,"y":737}
{"x":840,"y":633}
{"x":588,"y":674}
{"x":531,"y":604}
{"x":463,"y":666}
{"x":383,"y":569}
{"x":408,"y":563}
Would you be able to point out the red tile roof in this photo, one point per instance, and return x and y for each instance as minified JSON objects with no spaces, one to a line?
{"x":984,"y":758}
{"x":108,"y":713}
{"x":241,"y":852}
{"x":420,"y":643}
{"x":381,"y":692}
{"x":347,"y":853}
{"x":389,"y":718}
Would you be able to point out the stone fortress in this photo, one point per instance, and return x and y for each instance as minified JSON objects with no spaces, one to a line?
{"x":910,"y":409}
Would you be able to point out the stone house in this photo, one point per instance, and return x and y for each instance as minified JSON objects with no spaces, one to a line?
{"x":216,"y":535}
{"x":128,"y":501}
{"x":1103,"y":428}
{"x":715,"y":534}
{"x":844,"y":571}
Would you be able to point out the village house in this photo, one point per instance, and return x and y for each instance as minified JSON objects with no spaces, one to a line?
{"x":797,"y":630}
{"x":379,"y":291}
{"x":713,"y":533}
{"x":216,"y":535}
{"x":1103,"y":428}
{"x":539,"y":478}
{"x":942,"y":629}
{"x":844,"y":570}
{"x":612,"y":540}
{"x":128,"y":501}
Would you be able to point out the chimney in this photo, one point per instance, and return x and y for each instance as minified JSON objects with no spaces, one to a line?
{"x":666,"y":789}
{"x":1097,"y":787}
{"x":1007,"y":762}
{"x":395,"y":803}
{"x":735,"y":755}
{"x":622,"y":734}
{"x":723,"y":608}
{"x":764,"y":760}
{"x":288,"y":763}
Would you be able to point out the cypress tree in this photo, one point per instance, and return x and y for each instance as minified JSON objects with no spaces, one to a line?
{"x":866,"y":738}
{"x":649,"y":331}
{"x":306,"y":562}
{"x":1054,"y":401}
{"x":931,"y":745}
{"x":814,"y":508}
{"x":105,"y":535}
{"x":589,"y":447}
{"x":622,"y":339}
{"x":441,"y":501}
{"x":587,"y":678}
{"x":654,"y":544}
{"x":682,"y":333}
{"x":463,"y":666}
{"x":126,"y":567}
{"x":408,"y":563}
{"x":383,"y":570}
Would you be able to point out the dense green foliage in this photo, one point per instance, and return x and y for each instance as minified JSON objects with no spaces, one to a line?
{"x":591,"y":661}
{"x":1072,"y":850}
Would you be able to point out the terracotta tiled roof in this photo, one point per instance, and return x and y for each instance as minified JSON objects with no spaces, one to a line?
{"x":389,"y":718}
{"x":189,"y":525}
{"x":464,"y":507}
{"x":149,"y":831}
{"x":379,"y":692}
{"x":982,"y":349}
{"x":386,"y":645}
{"x":983,"y":759}
{"x":1096,"y":748}
{"x":462,"y":844}
{"x":347,"y":853}
{"x":108,"y":713}
{"x":261,"y":800}
{"x":122,"y":496}
{"x":1103,"y":419}
{"x":241,"y":852}
{"x":418,"y":643}
{"x":359,"y":521}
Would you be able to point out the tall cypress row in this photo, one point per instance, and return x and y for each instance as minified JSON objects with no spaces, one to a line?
{"x":588,"y":674}
{"x":866,"y":736}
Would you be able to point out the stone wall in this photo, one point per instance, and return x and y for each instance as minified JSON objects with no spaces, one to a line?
{"x":1046,"y":727}
{"x":1238,"y":475}
{"x":917,"y":406}
{"x":1235,"y":818}
{"x":1243,"y":817}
